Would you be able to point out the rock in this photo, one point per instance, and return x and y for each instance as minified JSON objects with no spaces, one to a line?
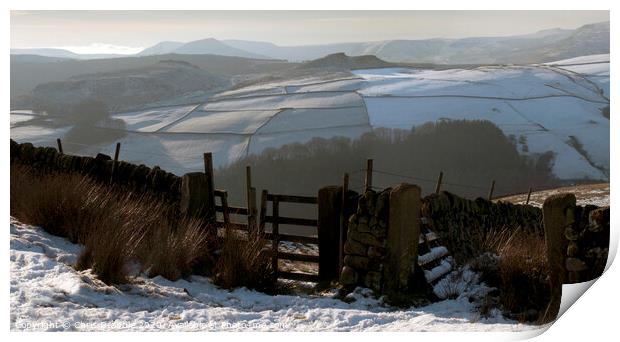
{"x":353,"y":220}
{"x":373,"y":222}
{"x":573,"y":277}
{"x":575,"y":265}
{"x":348,"y":276}
{"x":383,"y":204}
{"x":101,"y":156}
{"x":357,"y":262}
{"x":383,"y":224}
{"x":367,"y":239}
{"x":373,"y":280}
{"x":571,"y":234}
{"x":598,"y":219}
{"x":371,"y":200}
{"x":362,"y":206}
{"x":378,"y":231}
{"x":362,"y":219}
{"x":354,"y":247}
{"x":376,"y":252}
{"x":363,"y":226}
{"x":572,"y":249}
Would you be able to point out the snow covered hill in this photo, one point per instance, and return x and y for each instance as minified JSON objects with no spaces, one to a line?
{"x":47,"y":294}
{"x":555,"y":106}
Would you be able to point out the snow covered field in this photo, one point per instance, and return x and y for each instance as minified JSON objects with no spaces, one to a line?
{"x":552,"y":106}
{"x":591,"y":194}
{"x":47,"y":294}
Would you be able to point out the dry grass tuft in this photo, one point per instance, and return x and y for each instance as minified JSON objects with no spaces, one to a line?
{"x":523,"y":273}
{"x":115,"y":226}
{"x":516,"y":264}
{"x":174,"y":252}
{"x":244,"y":261}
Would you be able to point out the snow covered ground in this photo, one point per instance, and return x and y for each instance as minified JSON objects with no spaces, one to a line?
{"x":552,"y":106}
{"x":47,"y":294}
{"x":592,"y":194}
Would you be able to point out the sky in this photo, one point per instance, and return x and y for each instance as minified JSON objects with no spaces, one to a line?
{"x":129,"y":32}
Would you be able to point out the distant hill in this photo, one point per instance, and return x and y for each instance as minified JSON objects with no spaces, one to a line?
{"x":61,"y":53}
{"x":121,"y":89}
{"x":538,"y":47}
{"x":28,"y":71}
{"x":342,"y":61}
{"x":214,"y":47}
{"x":160,"y":48}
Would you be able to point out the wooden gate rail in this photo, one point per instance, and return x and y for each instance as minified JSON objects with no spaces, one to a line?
{"x":275,"y":220}
{"x":227,"y":210}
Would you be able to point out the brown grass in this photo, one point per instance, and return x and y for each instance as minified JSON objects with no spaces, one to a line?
{"x":115,"y":226}
{"x":519,"y":271}
{"x":244,"y":261}
{"x":523,"y":272}
{"x":175,"y":252}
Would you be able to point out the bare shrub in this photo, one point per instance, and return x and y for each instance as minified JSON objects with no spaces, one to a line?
{"x":244,"y":261}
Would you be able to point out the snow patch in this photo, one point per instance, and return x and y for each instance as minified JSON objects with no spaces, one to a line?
{"x":47,"y":294}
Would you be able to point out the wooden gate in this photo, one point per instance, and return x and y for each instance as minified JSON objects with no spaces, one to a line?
{"x":227,"y":210}
{"x":275,"y":219}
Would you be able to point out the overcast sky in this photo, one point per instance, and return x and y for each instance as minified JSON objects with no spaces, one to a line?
{"x":131,"y":31}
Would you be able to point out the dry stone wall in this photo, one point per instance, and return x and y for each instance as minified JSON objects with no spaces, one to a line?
{"x":457,"y":220}
{"x":587,"y":244}
{"x":137,"y":177}
{"x":365,"y":247}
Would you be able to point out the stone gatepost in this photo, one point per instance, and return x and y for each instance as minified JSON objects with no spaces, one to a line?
{"x":195,"y":200}
{"x":558,"y":215}
{"x":402,"y":237}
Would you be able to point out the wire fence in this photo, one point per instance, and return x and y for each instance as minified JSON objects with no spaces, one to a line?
{"x":357,"y":177}
{"x":357,"y":182}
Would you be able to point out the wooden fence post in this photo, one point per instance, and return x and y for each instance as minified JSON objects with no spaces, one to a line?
{"x":225,"y":211}
{"x":343,"y":222}
{"x":250,"y":198}
{"x":115,"y":162}
{"x":329,"y":200}
{"x":491,"y":190}
{"x":275,"y":235}
{"x":59,"y":146}
{"x":529,"y":193}
{"x":263,"y":211}
{"x":208,"y":161}
{"x":368,"y":179}
{"x":439,"y":180}
{"x":252,"y":210}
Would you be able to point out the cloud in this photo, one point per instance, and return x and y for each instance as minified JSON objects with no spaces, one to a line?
{"x":103,"y":48}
